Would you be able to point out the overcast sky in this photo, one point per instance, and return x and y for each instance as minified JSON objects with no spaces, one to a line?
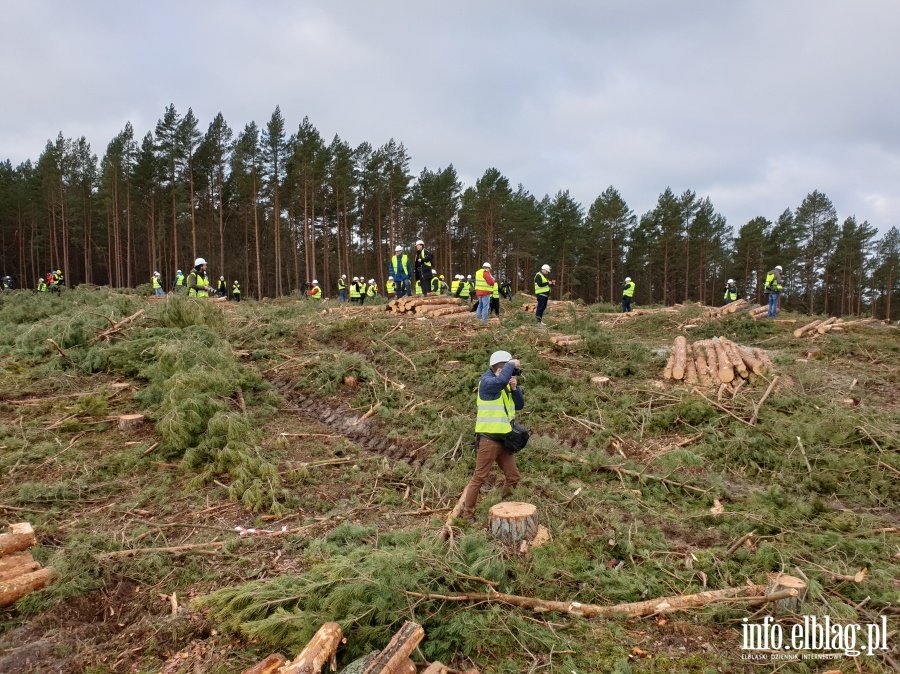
{"x":753,"y":103}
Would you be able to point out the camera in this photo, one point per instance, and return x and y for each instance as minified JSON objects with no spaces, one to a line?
{"x":517,"y":372}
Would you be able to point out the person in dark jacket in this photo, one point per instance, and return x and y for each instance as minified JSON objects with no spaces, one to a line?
{"x":423,"y":267}
{"x":499,"y":396}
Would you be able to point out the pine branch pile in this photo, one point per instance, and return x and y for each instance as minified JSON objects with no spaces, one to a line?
{"x":714,"y":361}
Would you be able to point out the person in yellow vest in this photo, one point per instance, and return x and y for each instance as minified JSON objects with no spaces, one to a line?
{"x":315,"y":291}
{"x":436,"y":284}
{"x":773,"y":288}
{"x":342,"y":288}
{"x":222,"y":287}
{"x":499,"y":397}
{"x":456,"y":285}
{"x":445,"y":289}
{"x":197,"y":280}
{"x":178,"y":283}
{"x":418,"y":288}
{"x":236,"y":292}
{"x":422,"y":267}
{"x":731,"y":292}
{"x":354,"y":291}
{"x":157,"y":286}
{"x":464,"y":289}
{"x":484,"y":288}
{"x":41,"y":285}
{"x":542,"y":286}
{"x":398,"y":268}
{"x":371,"y":289}
{"x":390,"y":287}
{"x":495,"y":299}
{"x":627,"y":295}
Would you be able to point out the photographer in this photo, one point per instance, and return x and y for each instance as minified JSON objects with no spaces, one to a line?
{"x":499,"y":396}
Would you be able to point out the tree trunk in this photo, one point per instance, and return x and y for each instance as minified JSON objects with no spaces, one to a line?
{"x":13,"y":590}
{"x":19,"y":537}
{"x":17,"y":564}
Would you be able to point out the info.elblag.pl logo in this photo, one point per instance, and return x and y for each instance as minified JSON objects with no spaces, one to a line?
{"x":814,"y":634}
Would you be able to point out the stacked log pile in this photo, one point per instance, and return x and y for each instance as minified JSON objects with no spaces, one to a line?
{"x":757,"y":313}
{"x":322,"y":650}
{"x":551,"y":304}
{"x":715,"y":361}
{"x":833,"y":324}
{"x":427,"y":306}
{"x":20,"y":575}
{"x":567,"y":340}
{"x":730,"y":308}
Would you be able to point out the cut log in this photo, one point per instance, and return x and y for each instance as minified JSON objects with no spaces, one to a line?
{"x":270,"y":665}
{"x":20,"y":537}
{"x":321,"y":650}
{"x":444,"y":310}
{"x":690,"y":372}
{"x":513,"y":522}
{"x":436,"y":668}
{"x":127,"y":421}
{"x":393,"y":659}
{"x":700,"y":365}
{"x":726,"y":369}
{"x":751,"y":362}
{"x":712,"y":363}
{"x":17,"y":564}
{"x":737,"y":362}
{"x":680,"y":364}
{"x":779,"y":582}
{"x":13,"y":590}
{"x":667,"y":373}
{"x":799,"y":332}
{"x":826,"y":325}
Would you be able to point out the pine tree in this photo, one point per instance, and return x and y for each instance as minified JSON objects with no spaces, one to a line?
{"x":610,"y":221}
{"x":274,"y":146}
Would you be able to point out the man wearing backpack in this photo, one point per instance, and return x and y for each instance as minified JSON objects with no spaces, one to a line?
{"x":499,"y":396}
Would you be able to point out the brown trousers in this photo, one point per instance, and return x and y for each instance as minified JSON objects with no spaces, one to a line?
{"x":489,"y":452}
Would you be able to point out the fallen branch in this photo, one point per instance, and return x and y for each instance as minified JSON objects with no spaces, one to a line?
{"x":662,"y":605}
{"x":446,"y":530}
{"x":633,"y":473}
{"x":200,"y":548}
{"x":762,"y":400}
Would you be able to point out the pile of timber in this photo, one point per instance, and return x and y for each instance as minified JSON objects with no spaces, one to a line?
{"x":715,"y":361}
{"x":427,"y":306}
{"x":567,"y":340}
{"x":730,"y":308}
{"x":833,"y":324}
{"x":20,"y":575}
{"x":322,"y":650}
{"x":551,"y":304}
{"x":756,"y":313}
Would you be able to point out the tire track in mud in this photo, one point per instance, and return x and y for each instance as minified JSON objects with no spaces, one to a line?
{"x":352,"y":427}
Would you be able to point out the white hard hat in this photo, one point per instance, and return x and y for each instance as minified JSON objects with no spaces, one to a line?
{"x":343,"y":276}
{"x":235,"y":282}
{"x":459,"y":276}
{"x":730,"y":281}
{"x":199,"y":261}
{"x":778,"y":267}
{"x":315,"y":282}
{"x":221,"y":278}
{"x":156,"y":273}
{"x":371,"y":280}
{"x":627,"y":279}
{"x":486,"y":265}
{"x":545,"y":267}
{"x":500,"y":357}
{"x":178,"y":271}
{"x":468,"y":276}
{"x":398,"y":249}
{"x":419,"y":242}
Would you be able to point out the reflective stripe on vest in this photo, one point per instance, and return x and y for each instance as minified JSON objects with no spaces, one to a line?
{"x":421,"y":256}
{"x":354,"y":291}
{"x":370,"y":291}
{"x":629,"y":290}
{"x":771,"y":283}
{"x":495,"y":416}
{"x":390,"y":286}
{"x":480,"y":282}
{"x":731,"y":294}
{"x":342,"y":284}
{"x":465,"y":289}
{"x":155,"y":282}
{"x":435,"y":284}
{"x":199,"y":281}
{"x":454,"y":286}
{"x":496,"y":292}
{"x":540,"y":290}
{"x":315,"y":291}
{"x":404,"y":261}
{"x":418,"y":288}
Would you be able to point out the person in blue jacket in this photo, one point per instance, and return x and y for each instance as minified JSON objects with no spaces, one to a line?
{"x":399,"y":270}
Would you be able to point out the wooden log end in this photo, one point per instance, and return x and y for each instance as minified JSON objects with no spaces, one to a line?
{"x":270,"y":665}
{"x":127,"y":421}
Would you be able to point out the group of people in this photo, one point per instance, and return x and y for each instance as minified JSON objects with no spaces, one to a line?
{"x":773,"y":287}
{"x":197,"y":283}
{"x":7,"y":283}
{"x":359,"y":289}
{"x":53,"y":282}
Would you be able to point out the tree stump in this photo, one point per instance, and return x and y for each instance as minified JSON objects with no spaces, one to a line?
{"x":601,"y":381}
{"x":513,"y":522}
{"x":782,"y":581}
{"x":127,"y":421}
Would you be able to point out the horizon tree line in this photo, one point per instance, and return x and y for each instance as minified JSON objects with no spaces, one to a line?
{"x":276,"y":209}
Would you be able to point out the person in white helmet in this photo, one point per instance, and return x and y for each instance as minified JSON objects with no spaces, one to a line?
{"x":499,"y":397}
{"x":773,"y":288}
{"x":157,"y":285}
{"x":178,"y":283}
{"x":355,"y":296}
{"x":455,"y":285}
{"x":342,"y":288}
{"x":484,"y":288}
{"x":399,"y":270}
{"x":372,"y":289}
{"x":627,"y":294}
{"x":315,"y":291}
{"x":731,"y":292}
{"x":542,"y":286}
{"x":222,"y":287}
{"x":423,"y":267}
{"x":197,"y":280}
